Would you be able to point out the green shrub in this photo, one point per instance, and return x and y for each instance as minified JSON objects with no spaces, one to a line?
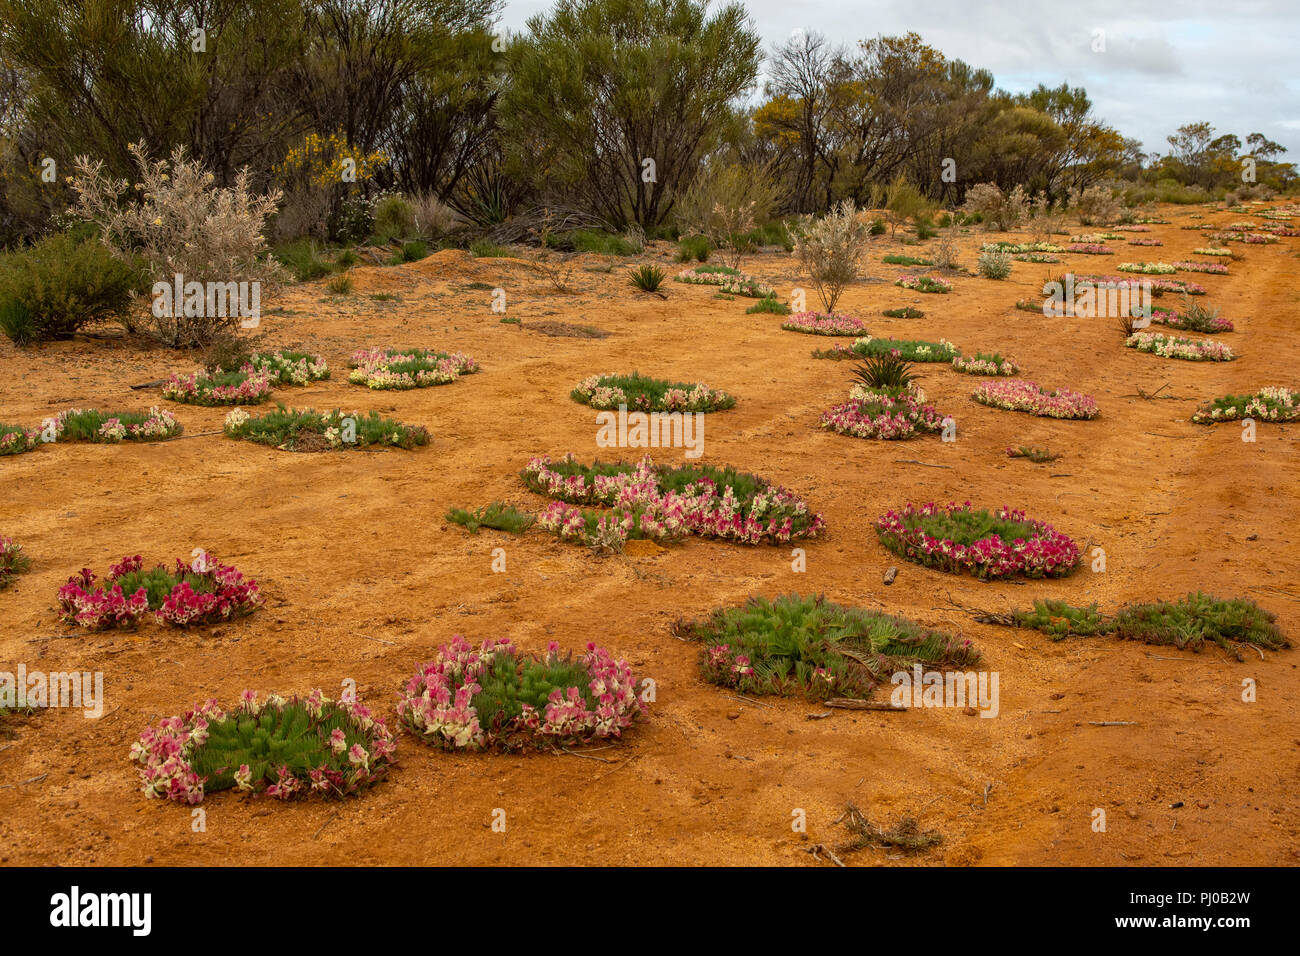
{"x":346,"y":260}
{"x":59,"y":285}
{"x":394,"y":218}
{"x":885,"y":373}
{"x":604,"y":243}
{"x":810,"y":647}
{"x":896,"y":260}
{"x":302,"y":257}
{"x":412,"y":251}
{"x":907,"y":312}
{"x":339,"y":285}
{"x":769,"y":304}
{"x":877,"y":227}
{"x":693,"y":247}
{"x":309,"y":430}
{"x":484,"y":249}
{"x":1059,"y":620}
{"x":497,"y":515}
{"x":994,"y":265}
{"x":1197,"y":618}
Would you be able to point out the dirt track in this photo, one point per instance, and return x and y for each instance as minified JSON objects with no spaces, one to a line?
{"x":364,"y":578}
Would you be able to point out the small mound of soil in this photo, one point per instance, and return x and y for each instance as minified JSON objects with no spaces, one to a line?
{"x":566,"y":330}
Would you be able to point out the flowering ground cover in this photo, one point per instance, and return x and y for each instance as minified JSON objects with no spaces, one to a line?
{"x":200,"y":593}
{"x":988,"y":544}
{"x":1018,"y":395}
{"x":1193,"y":320}
{"x":1169,"y":346}
{"x":400,"y":369}
{"x":1272,"y":404}
{"x":1158,"y":286}
{"x":1147,"y":268}
{"x":924,"y":284}
{"x":641,"y":393}
{"x":77,"y":424}
{"x":880,"y":415}
{"x":1036,"y":257}
{"x":1089,"y":249}
{"x":283,"y":748}
{"x":907,"y":312}
{"x":12,"y":561}
{"x":15,"y":439}
{"x":310,"y":430}
{"x":821,"y":323}
{"x":809,"y":647}
{"x":664,"y":502}
{"x":1021,"y":248}
{"x":985,"y":363}
{"x":1213,"y":268}
{"x":1146,"y":242}
{"x":497,"y":697}
{"x":290,"y":368}
{"x":1213,"y":251}
{"x":244,"y":387}
{"x":911,"y":350}
{"x":728,"y":280}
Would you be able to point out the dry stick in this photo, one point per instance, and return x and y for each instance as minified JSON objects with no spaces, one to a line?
{"x":324,"y":825}
{"x":1181,"y":660}
{"x":378,"y":640}
{"x":24,"y":782}
{"x":847,"y":703}
{"x":924,"y":464}
{"x":575,"y":753}
{"x":196,"y":435}
{"x":987,"y":787}
{"x":1113,"y":723}
{"x":747,"y":700}
{"x":161,"y":381}
{"x":819,"y":849}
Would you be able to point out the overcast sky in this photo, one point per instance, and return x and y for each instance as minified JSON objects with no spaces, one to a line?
{"x":1231,"y":62}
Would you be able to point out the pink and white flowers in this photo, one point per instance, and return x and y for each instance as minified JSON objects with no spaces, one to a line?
{"x":985,"y":364}
{"x":821,"y":323}
{"x":1169,"y":346}
{"x":203,"y":592}
{"x":878,"y":415}
{"x":1018,"y":395}
{"x":401,"y":369}
{"x":245,"y":388}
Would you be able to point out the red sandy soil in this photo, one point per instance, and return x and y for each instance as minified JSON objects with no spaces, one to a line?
{"x":365,"y":578}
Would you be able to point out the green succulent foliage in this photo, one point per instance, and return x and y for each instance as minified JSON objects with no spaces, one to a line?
{"x":279,"y":736}
{"x":907,"y":312}
{"x":966,"y":527}
{"x":768,"y":304}
{"x":914,"y":350}
{"x":516,"y":680}
{"x":84,"y":425}
{"x":787,"y":640}
{"x":287,"y":428}
{"x":1197,"y":618}
{"x":885,"y":373}
{"x":1059,"y":620}
{"x":497,"y":515}
{"x":158,"y":583}
{"x":647,"y":278}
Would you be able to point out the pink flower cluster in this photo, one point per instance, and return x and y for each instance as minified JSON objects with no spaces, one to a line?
{"x":198,"y":390}
{"x":1174,"y":320}
{"x":1089,"y":249}
{"x":882,"y":416}
{"x":1019,"y":395}
{"x":374,"y":368}
{"x":772,"y":514}
{"x":824,"y":323}
{"x":438,"y":702}
{"x":1170,"y":346}
{"x":1213,"y":268}
{"x":223,"y":594}
{"x":1146,"y":242}
{"x":19,"y":440}
{"x":1044,"y":553}
{"x":1156,"y":284}
{"x":166,"y":753}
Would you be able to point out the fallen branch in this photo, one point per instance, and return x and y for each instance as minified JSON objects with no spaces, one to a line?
{"x":923,"y":464}
{"x":848,"y":703}
{"x":324,"y":825}
{"x":154,"y":384}
{"x":1112,"y":723}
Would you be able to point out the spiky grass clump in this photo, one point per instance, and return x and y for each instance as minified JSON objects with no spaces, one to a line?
{"x":220,"y":388}
{"x":886,"y":373}
{"x":498,"y":697}
{"x":1059,"y":620}
{"x":642,"y":393}
{"x":77,"y":424}
{"x":497,"y":515}
{"x":1190,"y":622}
{"x":896,"y":260}
{"x":187,"y":595}
{"x":647,"y":278}
{"x":310,"y":430}
{"x":810,"y":647}
{"x":907,"y":312}
{"x":913,"y":350}
{"x":407,"y":368}
{"x":284,"y":748}
{"x":988,"y":544}
{"x":287,"y":367}
{"x":12,"y":561}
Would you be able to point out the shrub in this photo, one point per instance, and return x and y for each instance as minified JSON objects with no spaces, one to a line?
{"x":603,"y":243}
{"x":303,"y":259}
{"x":988,"y":544}
{"x":497,"y":515}
{"x":58,"y":286}
{"x":809,"y":647}
{"x":200,"y":593}
{"x":181,"y":225}
{"x":284,"y":748}
{"x":830,"y":249}
{"x":339,"y":285}
{"x":885,"y":372}
{"x":907,"y":312}
{"x":484,"y":249}
{"x":724,"y":203}
{"x":309,"y":430}
{"x":905,"y":261}
{"x":768,"y":304}
{"x":1197,"y":618}
{"x":693,"y":247}
{"x":994,"y":265}
{"x":881,"y":415}
{"x":223,"y":388}
{"x":497,"y":697}
{"x":12,"y":561}
{"x":401,"y":369}
{"x":1095,"y":206}
{"x":412,"y":251}
{"x":996,"y":209}
{"x":641,"y":393}
{"x":647,"y":278}
{"x":394,"y":218}
{"x":943,"y":254}
{"x":14,"y":439}
{"x":433,"y":217}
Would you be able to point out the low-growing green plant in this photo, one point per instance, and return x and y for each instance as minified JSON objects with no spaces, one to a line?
{"x":303,"y":259}
{"x":769,"y":304}
{"x":1033,"y":453}
{"x":643,"y":393}
{"x":896,"y":260}
{"x":339,"y":285}
{"x":1190,"y":622}
{"x":90,"y":424}
{"x":1059,"y":620}
{"x":813,"y":648}
{"x":693,"y":247}
{"x":913,"y":350}
{"x":12,"y":561}
{"x":309,"y":430}
{"x":602,"y":243}
{"x":907,"y":312}
{"x":994,"y":265}
{"x":885,"y":373}
{"x":394,"y":218}
{"x":485,"y":249}
{"x":412,"y":251}
{"x":497,"y":515}
{"x":647,"y":277}
{"x":346,"y":259}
